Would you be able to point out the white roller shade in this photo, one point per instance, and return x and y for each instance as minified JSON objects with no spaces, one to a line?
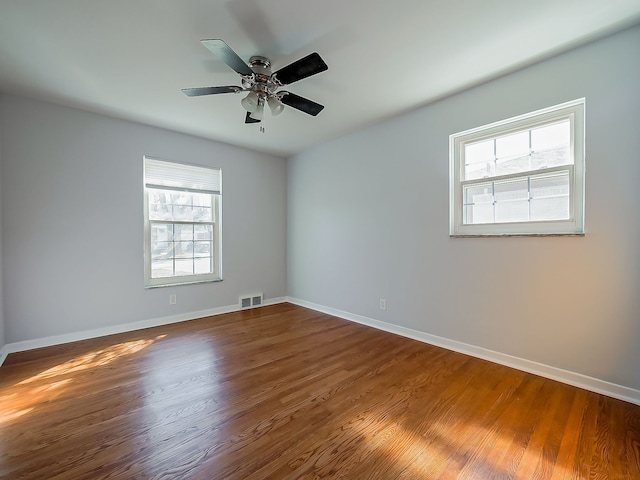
{"x":181,"y":177}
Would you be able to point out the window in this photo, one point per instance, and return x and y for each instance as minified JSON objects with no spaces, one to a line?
{"x":181,"y":223}
{"x":521,"y":176}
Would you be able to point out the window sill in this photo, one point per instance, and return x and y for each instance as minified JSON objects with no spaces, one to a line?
{"x":177,"y":284}
{"x":517,"y":235}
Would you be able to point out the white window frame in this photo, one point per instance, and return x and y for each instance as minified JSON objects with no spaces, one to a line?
{"x":573,"y":111}
{"x":216,"y":275}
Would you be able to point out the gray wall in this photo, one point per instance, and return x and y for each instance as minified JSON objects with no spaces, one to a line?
{"x":73,"y":222}
{"x":2,"y":339}
{"x":368,"y":218}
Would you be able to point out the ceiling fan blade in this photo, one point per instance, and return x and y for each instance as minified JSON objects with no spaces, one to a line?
{"x":248,"y":119}
{"x":303,"y":68}
{"x":300,"y":103}
{"x":196,"y":92}
{"x":227,"y":55}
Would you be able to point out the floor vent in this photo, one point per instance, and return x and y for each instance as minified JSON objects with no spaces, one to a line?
{"x":250,"y":301}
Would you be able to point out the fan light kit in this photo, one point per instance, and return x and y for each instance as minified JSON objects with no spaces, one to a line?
{"x":261,"y":84}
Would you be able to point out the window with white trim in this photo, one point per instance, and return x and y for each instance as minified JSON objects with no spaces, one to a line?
{"x":181,"y":223}
{"x":521,"y":176}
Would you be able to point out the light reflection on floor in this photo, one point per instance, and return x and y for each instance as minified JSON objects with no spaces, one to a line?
{"x":170,"y":405}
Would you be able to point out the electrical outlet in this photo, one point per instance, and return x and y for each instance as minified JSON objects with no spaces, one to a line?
{"x":172,"y":299}
{"x":383,"y":304}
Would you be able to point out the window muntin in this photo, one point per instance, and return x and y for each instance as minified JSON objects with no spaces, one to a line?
{"x":531,"y":149}
{"x":184,"y":246}
{"x":534,"y":198}
{"x":182,"y":223}
{"x":520,"y":176}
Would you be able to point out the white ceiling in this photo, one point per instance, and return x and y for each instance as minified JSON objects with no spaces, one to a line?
{"x":130,"y":58}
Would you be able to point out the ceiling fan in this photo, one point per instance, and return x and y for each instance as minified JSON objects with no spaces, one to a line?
{"x":262,"y":84}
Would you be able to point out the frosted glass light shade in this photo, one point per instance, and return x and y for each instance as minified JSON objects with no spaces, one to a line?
{"x":275,"y":105}
{"x":258,"y":113}
{"x":250,"y":102}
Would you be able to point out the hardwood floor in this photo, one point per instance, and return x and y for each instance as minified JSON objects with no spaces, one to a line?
{"x":283,"y":392}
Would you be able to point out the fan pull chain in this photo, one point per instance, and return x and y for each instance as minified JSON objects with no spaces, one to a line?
{"x":262,"y":130}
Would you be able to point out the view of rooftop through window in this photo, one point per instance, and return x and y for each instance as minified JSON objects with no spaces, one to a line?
{"x":541,"y":193}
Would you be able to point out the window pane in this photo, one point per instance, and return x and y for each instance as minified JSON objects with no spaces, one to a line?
{"x":551,"y":145}
{"x":159,"y":205}
{"x":512,"y":153}
{"x":161,"y":250}
{"x":480,"y":213}
{"x":161,"y":233}
{"x":203,"y":265}
{"x":507,"y":190}
{"x":182,"y":213}
{"x":512,"y":211}
{"x":551,"y":158}
{"x":550,"y":197}
{"x":532,"y":149}
{"x":202,"y":214}
{"x":183,"y":232}
{"x":511,"y":165}
{"x":514,"y":145}
{"x":550,"y":185}
{"x":180,"y":206}
{"x":202,"y":249}
{"x":184,"y":267}
{"x":202,"y":201}
{"x":478,"y":203}
{"x":479,"y":152}
{"x":550,"y":208}
{"x":530,"y":198}
{"x":176,"y":198}
{"x":161,"y":268}
{"x":202,"y":232}
{"x":551,"y":136}
{"x":479,"y":160}
{"x":184,"y":250}
{"x":482,"y":193}
{"x":187,"y":252}
{"x":512,"y":200}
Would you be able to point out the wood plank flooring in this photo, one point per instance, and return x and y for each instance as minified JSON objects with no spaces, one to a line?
{"x":283,"y":392}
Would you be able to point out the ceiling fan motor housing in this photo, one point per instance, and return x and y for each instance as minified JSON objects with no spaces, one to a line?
{"x":260,"y":65}
{"x":261,"y":81}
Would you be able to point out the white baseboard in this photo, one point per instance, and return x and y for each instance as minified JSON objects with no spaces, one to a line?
{"x":121,"y":328}
{"x":571,"y":378}
{"x":4,"y":351}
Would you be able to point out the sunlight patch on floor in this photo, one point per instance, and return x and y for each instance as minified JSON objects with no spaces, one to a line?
{"x":97,"y":358}
{"x":470,"y":449}
{"x":26,"y":395}
{"x":430,"y":452}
